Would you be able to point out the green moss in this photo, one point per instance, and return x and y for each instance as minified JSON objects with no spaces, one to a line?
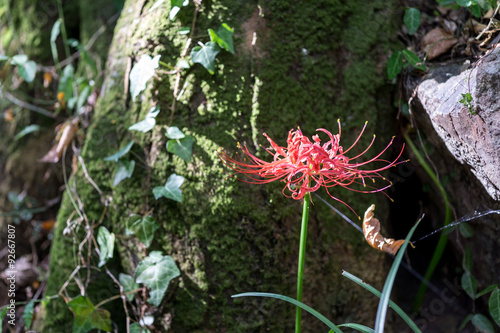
{"x":228,"y":237}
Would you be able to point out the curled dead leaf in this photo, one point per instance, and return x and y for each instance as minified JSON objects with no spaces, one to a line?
{"x":65,"y":136}
{"x":436,"y":42}
{"x":371,"y":230}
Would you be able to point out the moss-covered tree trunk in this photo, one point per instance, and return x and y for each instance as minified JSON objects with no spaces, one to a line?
{"x":296,"y":63}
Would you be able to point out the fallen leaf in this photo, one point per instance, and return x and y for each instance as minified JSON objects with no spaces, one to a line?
{"x":8,"y":115}
{"x":436,"y":42}
{"x":371,"y":230}
{"x":66,"y":135}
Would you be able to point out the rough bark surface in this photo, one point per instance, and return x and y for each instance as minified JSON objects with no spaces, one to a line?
{"x":311,"y":64}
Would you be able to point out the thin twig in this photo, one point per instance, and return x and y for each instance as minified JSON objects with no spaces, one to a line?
{"x":28,"y":106}
{"x":122,"y":294}
{"x":112,"y":298}
{"x":489,"y":24}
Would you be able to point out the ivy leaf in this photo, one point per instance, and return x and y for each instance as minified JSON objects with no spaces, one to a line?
{"x":494,"y":305}
{"x":87,"y":317}
{"x":412,"y":20}
{"x":148,"y":123}
{"x":143,"y":227}
{"x":482,"y":324}
{"x":27,"y":130}
{"x":205,"y":54}
{"x":171,"y":190}
{"x":128,"y":284}
{"x":469,"y":283}
{"x":223,"y":37}
{"x":174,"y":132}
{"x":156,"y":272}
{"x":414,"y":60}
{"x":181,"y":147}
{"x":136,"y":328}
{"x":394,"y":65}
{"x":106,"y":242}
{"x":121,"y":153}
{"x":141,"y":73}
{"x":124,"y":170}
{"x":28,"y":314}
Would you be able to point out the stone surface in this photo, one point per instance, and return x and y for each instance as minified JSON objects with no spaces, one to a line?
{"x":473,"y":139}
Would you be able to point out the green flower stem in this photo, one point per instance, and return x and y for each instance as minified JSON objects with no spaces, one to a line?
{"x":302,"y":256}
{"x":443,"y":239}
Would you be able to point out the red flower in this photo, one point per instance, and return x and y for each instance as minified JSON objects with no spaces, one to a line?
{"x":305,"y":166}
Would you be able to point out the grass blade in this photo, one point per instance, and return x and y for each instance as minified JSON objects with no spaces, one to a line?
{"x":389,"y":282}
{"x":358,"y":327}
{"x":296,"y":303}
{"x":377,"y":293}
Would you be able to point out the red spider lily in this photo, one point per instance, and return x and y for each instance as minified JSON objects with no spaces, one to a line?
{"x":305,"y":166}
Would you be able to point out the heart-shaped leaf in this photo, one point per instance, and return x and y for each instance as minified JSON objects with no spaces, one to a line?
{"x":223,"y":37}
{"x":141,"y":73}
{"x":181,"y":147}
{"x":171,"y":190}
{"x":106,"y":242}
{"x":156,"y":272}
{"x":124,"y":170}
{"x":143,"y":227}
{"x":87,"y":317}
{"x":205,"y":54}
{"x":148,"y":123}
{"x":120,"y":153}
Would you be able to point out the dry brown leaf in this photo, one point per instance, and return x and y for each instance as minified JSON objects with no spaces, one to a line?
{"x":371,"y":230}
{"x":8,"y":115}
{"x":436,"y":42}
{"x":65,"y":136}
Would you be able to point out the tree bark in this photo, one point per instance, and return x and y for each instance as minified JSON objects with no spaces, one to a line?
{"x":296,"y":64}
